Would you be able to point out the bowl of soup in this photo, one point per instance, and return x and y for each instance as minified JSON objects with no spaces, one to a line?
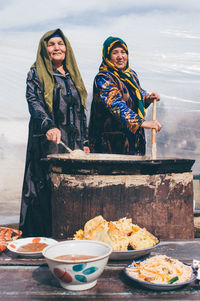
{"x":77,"y":264}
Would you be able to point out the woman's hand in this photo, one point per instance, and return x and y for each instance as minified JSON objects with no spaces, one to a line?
{"x":54,"y":135}
{"x":154,"y":95}
{"x":154,"y":124}
{"x":86,"y":149}
{"x":150,"y":97}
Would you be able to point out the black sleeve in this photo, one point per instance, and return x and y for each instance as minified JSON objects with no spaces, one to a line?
{"x":36,"y":104}
{"x":84,"y":128}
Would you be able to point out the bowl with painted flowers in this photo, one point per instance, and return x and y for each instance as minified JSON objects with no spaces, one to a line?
{"x":77,"y":264}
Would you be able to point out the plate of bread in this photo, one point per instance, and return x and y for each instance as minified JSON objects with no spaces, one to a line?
{"x":128,"y":240}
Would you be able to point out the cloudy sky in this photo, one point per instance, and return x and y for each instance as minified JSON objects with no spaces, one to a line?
{"x":163,"y":38}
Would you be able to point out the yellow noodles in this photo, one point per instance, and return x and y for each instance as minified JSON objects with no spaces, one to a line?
{"x":160,"y":269}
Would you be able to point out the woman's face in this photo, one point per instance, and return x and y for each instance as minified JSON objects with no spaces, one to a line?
{"x":119,"y":57}
{"x":56,"y":49}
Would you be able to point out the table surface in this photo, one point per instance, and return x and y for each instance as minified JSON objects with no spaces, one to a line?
{"x":30,"y":279}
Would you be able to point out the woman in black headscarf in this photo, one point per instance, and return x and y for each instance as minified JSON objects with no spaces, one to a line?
{"x":56,"y":100}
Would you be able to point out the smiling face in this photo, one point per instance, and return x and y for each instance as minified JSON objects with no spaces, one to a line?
{"x":56,"y":49}
{"x":119,"y":57}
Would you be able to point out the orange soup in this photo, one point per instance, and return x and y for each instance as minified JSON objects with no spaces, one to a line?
{"x":75,"y":257}
{"x":32,"y":247}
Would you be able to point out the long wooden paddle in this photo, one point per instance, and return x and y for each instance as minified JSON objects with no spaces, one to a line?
{"x":153,"y":140}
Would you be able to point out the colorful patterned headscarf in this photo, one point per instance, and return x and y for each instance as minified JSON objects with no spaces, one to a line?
{"x":45,"y":70}
{"x":126,"y":76}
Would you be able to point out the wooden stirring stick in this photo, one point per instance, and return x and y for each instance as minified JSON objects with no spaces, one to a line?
{"x":75,"y":153}
{"x":153,"y":141}
{"x":66,"y":147}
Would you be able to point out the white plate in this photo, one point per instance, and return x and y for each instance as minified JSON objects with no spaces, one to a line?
{"x":13,"y":246}
{"x":159,"y":287}
{"x":131,"y":254}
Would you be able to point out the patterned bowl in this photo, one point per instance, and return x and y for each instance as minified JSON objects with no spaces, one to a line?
{"x":79,"y":274}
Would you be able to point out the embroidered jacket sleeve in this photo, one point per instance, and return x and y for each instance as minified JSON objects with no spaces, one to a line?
{"x":36,"y":104}
{"x":111,"y":97}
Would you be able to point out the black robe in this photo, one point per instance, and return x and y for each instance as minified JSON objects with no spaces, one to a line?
{"x":68,"y":115}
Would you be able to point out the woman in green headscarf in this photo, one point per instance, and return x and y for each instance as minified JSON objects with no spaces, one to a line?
{"x":117,"y":118}
{"x":56,"y":98}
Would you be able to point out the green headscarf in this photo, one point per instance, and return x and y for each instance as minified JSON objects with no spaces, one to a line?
{"x":126,"y":76}
{"x":45,"y":70}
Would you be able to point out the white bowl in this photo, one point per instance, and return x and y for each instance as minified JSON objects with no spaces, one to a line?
{"x":79,"y":274}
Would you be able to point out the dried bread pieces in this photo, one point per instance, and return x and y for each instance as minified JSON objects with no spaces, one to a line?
{"x":142,"y":239}
{"x":92,"y":224}
{"x":119,"y":240}
{"x":125,"y":225}
{"x":121,"y":234}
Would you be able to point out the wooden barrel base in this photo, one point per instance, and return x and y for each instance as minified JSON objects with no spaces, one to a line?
{"x":162,"y":203}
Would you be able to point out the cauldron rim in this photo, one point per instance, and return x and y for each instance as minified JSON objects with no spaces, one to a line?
{"x":113,"y":157}
{"x":104,"y":166}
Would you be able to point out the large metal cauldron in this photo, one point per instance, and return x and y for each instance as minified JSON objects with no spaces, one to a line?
{"x":156,"y":194}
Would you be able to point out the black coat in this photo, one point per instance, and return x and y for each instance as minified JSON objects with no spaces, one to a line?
{"x":68,"y":115}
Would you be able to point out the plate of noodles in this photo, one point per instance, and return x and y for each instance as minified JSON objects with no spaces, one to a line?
{"x":160,"y":272}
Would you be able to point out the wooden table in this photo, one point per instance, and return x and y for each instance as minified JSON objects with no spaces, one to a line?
{"x":30,"y":279}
